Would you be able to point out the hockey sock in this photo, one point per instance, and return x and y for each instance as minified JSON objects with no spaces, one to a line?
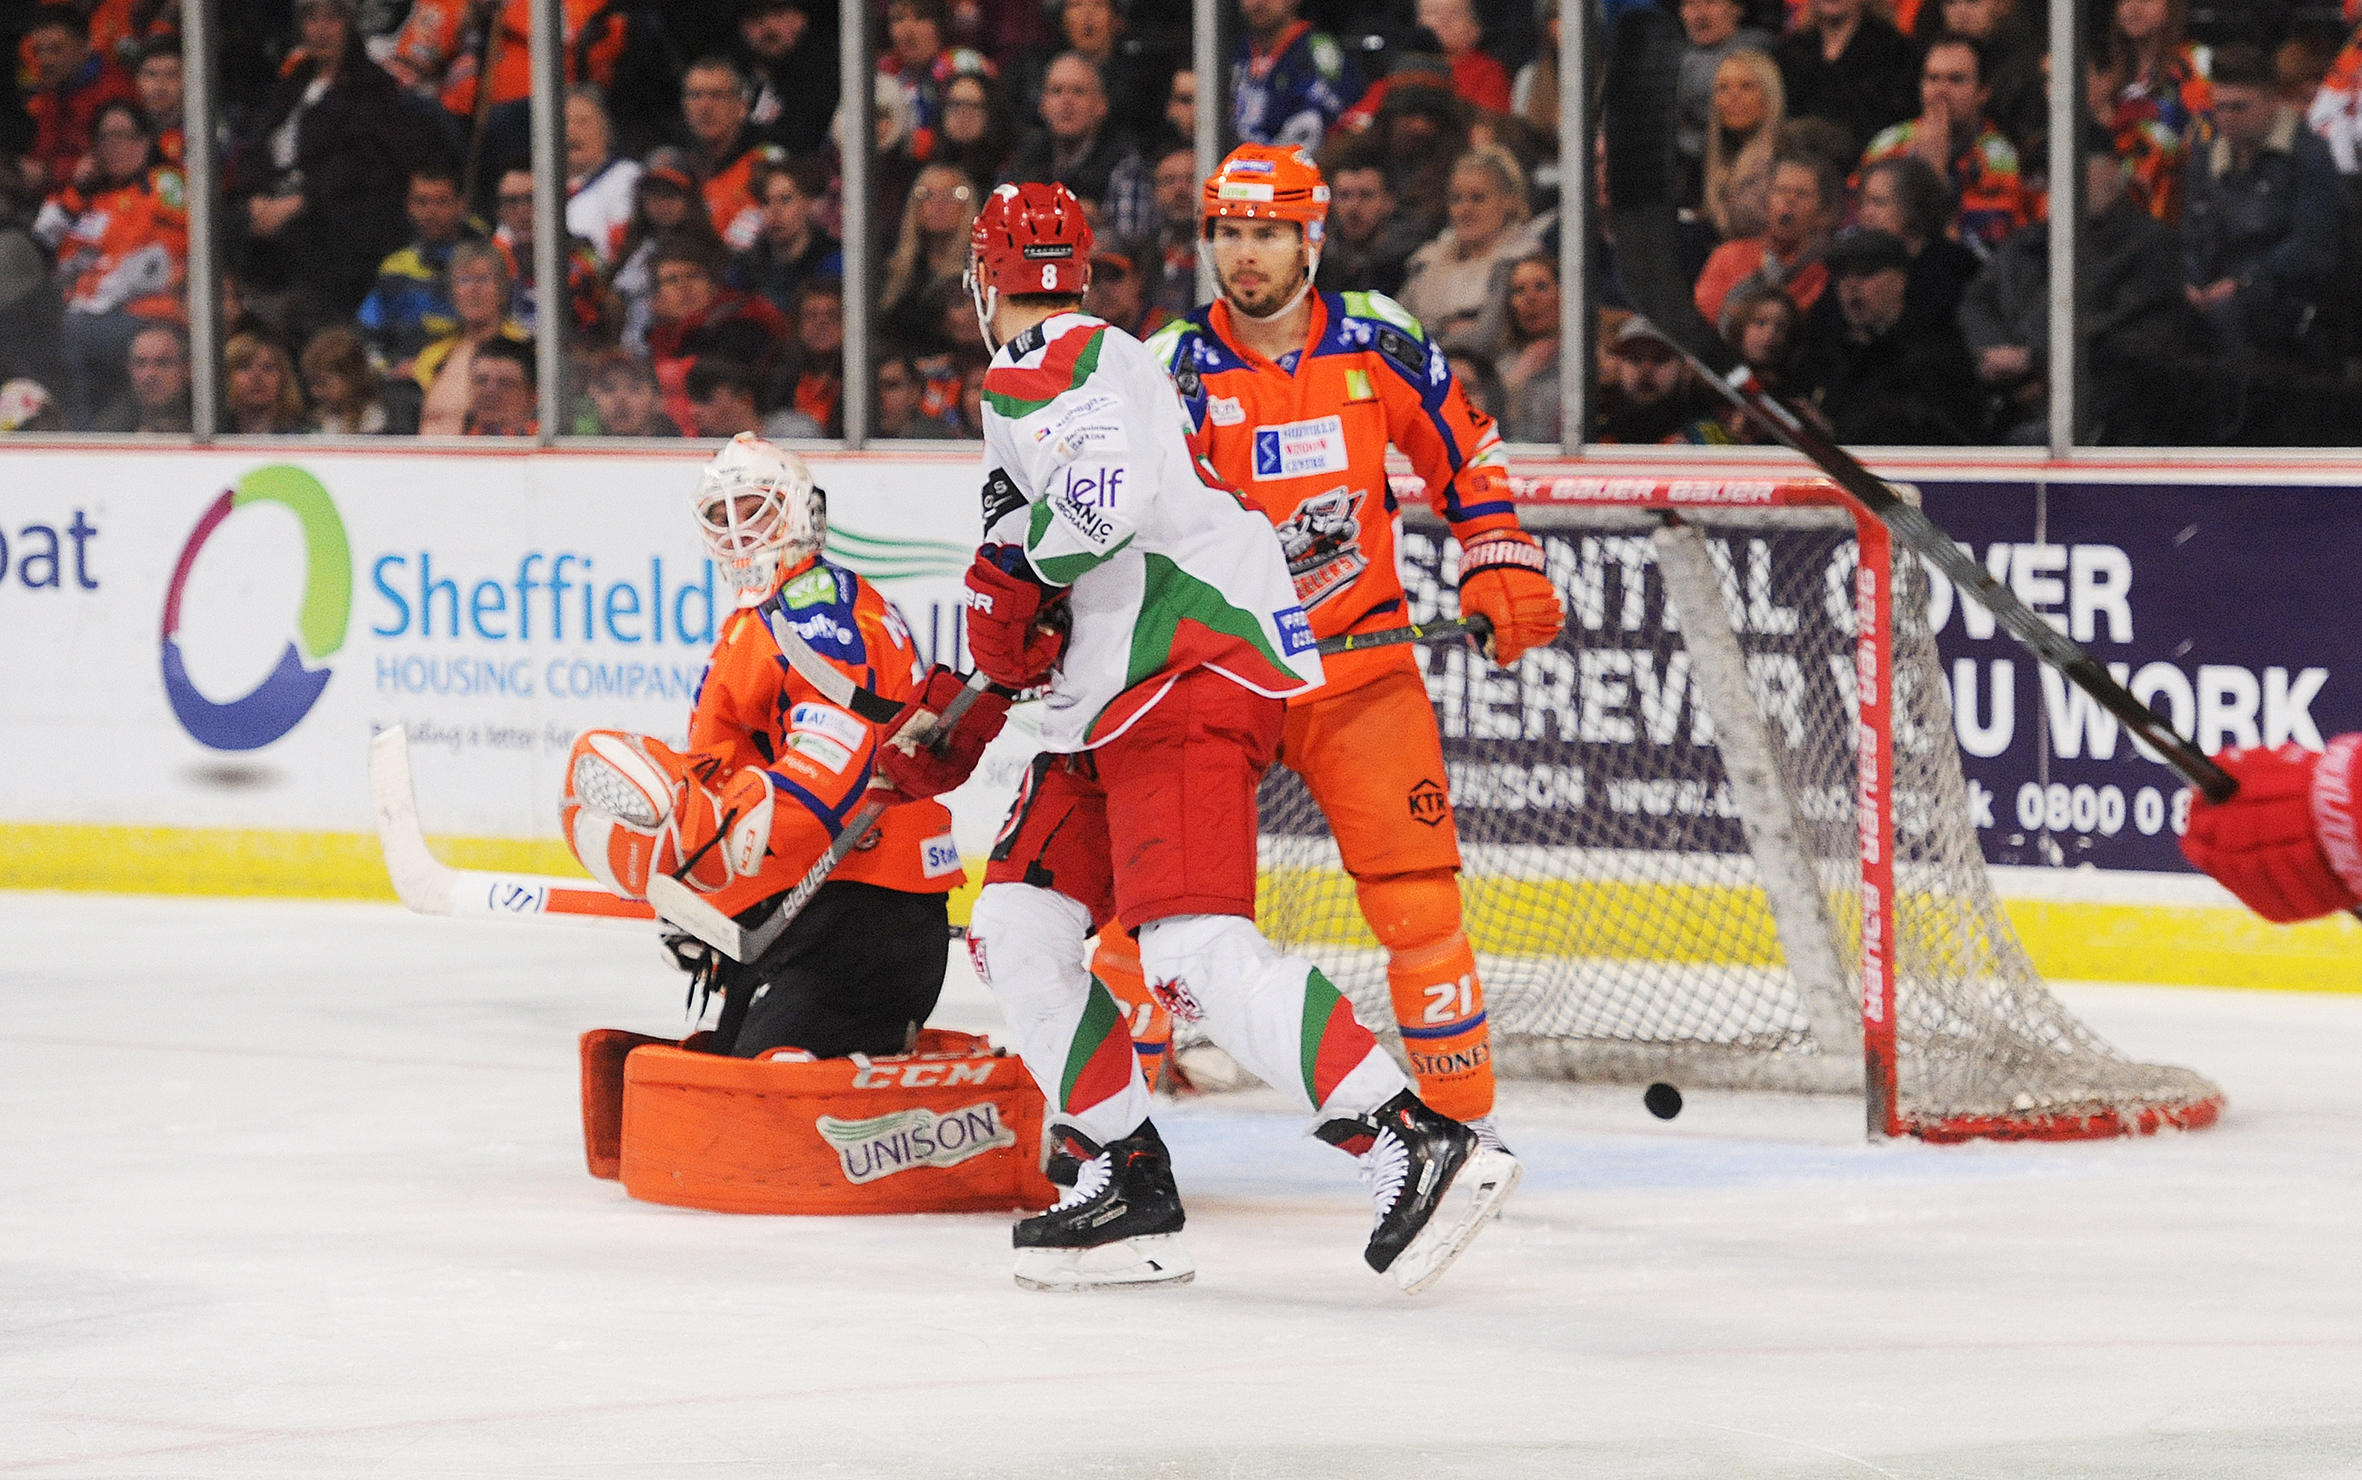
{"x":1117,"y":965}
{"x":1275,"y":1014}
{"x":1440,"y":1004}
{"x":1027,"y":945}
{"x":1438,"y":996}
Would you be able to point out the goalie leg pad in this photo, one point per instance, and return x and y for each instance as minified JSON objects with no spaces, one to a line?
{"x":1275,"y":1014}
{"x":1027,"y":946}
{"x":952,"y":1126}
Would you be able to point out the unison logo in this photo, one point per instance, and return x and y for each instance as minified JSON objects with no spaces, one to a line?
{"x":288,"y":694}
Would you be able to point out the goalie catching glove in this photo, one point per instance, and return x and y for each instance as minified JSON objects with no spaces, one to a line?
{"x":1503,"y":578}
{"x":922,"y":762}
{"x":2286,"y":844}
{"x":635,"y":807}
{"x":1007,"y":606}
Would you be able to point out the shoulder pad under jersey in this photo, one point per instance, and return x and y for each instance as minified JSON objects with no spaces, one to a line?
{"x":1387,"y":327}
{"x":818,"y":606}
{"x":1165,"y":345}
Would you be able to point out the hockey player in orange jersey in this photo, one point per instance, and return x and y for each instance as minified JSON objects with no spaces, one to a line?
{"x":772,"y":772}
{"x":1294,"y":396}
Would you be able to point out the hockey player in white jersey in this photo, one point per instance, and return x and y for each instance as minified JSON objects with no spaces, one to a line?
{"x":1157,"y":609}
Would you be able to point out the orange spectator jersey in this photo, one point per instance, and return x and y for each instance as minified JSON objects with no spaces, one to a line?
{"x":754,"y":710}
{"x":1305,"y":442}
{"x":434,"y":50}
{"x":730,"y":195}
{"x":122,"y":246}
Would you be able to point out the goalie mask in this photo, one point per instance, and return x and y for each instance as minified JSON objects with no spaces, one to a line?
{"x":759,"y":513}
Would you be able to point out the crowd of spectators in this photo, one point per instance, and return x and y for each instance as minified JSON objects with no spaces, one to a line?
{"x":1865,"y":214}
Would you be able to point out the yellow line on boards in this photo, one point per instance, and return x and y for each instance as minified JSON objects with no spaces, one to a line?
{"x":239,"y":861}
{"x":2175,"y":945}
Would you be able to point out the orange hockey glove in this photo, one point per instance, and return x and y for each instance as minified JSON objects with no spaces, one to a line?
{"x":1503,"y":580}
{"x":922,"y":770}
{"x":2286,"y":844}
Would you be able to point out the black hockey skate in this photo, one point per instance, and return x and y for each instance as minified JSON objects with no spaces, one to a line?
{"x":1433,"y":1184}
{"x":1118,"y":1224}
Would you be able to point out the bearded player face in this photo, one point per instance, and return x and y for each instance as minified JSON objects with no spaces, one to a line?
{"x":1259,"y":265}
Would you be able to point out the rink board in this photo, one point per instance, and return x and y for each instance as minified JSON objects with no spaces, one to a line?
{"x":201,"y":643}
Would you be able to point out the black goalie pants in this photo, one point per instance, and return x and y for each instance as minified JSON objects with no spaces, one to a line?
{"x":858,"y":972}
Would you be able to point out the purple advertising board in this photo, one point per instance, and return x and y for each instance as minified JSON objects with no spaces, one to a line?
{"x":2232,"y":610}
{"x":2229,"y":609}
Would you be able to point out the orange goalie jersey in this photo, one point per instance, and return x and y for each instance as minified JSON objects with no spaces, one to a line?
{"x":1306,"y":443}
{"x":754,"y":710}
{"x":773,"y":771}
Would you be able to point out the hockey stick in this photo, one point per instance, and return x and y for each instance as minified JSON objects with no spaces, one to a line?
{"x":677,"y":903}
{"x":432,"y":887}
{"x":1643,"y":75}
{"x":1475,"y":628}
{"x":835,"y":685}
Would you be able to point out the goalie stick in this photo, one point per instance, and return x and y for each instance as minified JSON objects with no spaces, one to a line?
{"x":1643,"y":76}
{"x":680,"y":905}
{"x":432,"y":887}
{"x":1475,"y":628}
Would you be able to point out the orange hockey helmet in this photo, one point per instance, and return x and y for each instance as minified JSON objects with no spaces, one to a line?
{"x":1267,"y":182}
{"x":1027,"y":239}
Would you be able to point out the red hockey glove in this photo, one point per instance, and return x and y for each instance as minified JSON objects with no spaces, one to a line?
{"x":2286,"y":843}
{"x":1006,"y":633}
{"x":1502,"y":579}
{"x":920,"y":771}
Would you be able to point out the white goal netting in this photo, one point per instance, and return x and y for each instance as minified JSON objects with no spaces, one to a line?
{"x":1617,"y":842}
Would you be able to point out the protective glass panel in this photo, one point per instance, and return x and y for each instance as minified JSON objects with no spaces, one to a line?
{"x":2218,"y":305}
{"x":976,"y":96}
{"x":1846,"y":178}
{"x":376,"y":219}
{"x":94,"y":237}
{"x":704,"y":209}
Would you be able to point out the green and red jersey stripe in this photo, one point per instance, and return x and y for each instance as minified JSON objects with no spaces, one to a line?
{"x":1072,"y":358}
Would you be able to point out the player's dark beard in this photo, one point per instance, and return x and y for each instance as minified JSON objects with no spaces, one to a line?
{"x":1271,"y":299}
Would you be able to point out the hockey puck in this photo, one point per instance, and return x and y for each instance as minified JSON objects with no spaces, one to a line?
{"x":1663,"y":1100}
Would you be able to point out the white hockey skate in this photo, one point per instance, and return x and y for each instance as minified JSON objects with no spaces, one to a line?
{"x":1117,"y":1227}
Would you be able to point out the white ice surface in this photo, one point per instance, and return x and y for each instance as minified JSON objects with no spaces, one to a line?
{"x":297,"y":1190}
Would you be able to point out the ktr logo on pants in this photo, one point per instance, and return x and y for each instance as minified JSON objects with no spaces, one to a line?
{"x":918,"y":1137}
{"x":1430,"y":803}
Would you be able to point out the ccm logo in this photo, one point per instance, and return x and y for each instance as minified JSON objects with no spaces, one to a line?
{"x":923,"y":1076}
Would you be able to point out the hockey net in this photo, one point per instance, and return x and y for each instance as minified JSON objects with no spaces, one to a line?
{"x":1664,"y":880}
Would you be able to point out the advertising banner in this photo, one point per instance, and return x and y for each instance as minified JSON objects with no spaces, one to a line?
{"x":2228,"y":609}
{"x":210,"y":639}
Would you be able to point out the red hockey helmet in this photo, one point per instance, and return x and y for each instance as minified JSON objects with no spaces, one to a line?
{"x":1267,"y":182}
{"x":1028,"y":238}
